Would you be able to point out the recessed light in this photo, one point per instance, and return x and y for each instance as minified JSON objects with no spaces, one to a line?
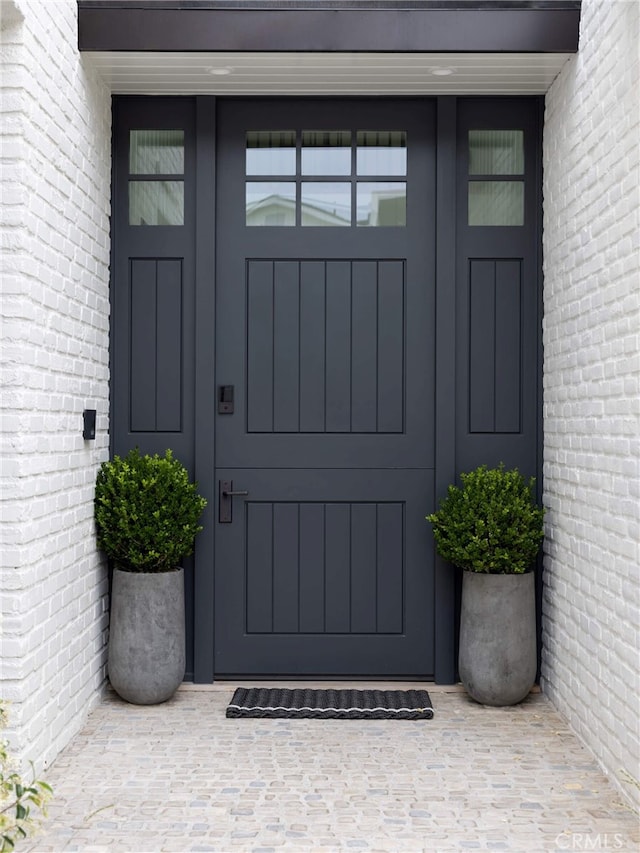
{"x":220,"y":72}
{"x":442,"y":72}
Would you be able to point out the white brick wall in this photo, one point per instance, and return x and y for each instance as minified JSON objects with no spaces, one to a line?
{"x":55,"y":150}
{"x":592,"y":386}
{"x":54,"y":135}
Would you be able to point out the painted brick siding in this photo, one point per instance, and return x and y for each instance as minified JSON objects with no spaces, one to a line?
{"x":55,"y":149}
{"x":591,"y":609}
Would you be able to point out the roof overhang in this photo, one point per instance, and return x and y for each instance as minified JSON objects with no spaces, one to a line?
{"x":328,"y":46}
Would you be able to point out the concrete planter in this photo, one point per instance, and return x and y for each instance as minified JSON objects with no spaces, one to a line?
{"x":497,"y":657}
{"x":147,"y":635}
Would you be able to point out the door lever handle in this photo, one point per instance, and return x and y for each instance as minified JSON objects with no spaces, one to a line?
{"x":225,"y":500}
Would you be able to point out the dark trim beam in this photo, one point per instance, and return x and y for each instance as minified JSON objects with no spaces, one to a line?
{"x":493,"y":26}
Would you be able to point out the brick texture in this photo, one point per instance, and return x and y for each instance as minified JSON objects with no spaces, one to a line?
{"x":55,"y":139}
{"x":591,"y":610}
{"x":54,"y":135}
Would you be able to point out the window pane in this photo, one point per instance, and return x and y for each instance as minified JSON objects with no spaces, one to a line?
{"x":382,"y":204}
{"x":496,"y":152}
{"x":156,"y":152}
{"x":326,"y":203}
{"x":271,"y":152}
{"x":496,"y":203}
{"x":326,"y":152}
{"x":382,"y":152}
{"x":271,"y":203}
{"x":156,"y":203}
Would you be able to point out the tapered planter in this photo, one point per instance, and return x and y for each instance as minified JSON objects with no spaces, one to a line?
{"x":497,"y":656}
{"x":147,"y":635}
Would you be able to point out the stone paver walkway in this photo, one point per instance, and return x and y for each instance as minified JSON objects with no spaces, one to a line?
{"x":181,"y":777}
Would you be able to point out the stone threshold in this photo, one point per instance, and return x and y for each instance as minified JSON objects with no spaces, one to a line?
{"x":231,"y":684}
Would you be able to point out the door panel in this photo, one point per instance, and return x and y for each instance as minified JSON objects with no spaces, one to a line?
{"x":153,"y":289}
{"x":327,"y":335}
{"x":325,"y":346}
{"x":156,"y":345}
{"x":328,"y":572}
{"x":498,"y":320}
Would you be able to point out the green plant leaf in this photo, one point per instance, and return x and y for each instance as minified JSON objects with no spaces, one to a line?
{"x":490,"y":523}
{"x":146,"y":511}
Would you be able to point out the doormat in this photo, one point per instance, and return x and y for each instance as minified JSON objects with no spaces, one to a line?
{"x":331,"y":704}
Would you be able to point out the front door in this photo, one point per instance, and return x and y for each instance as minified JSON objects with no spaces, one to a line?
{"x":325,"y":388}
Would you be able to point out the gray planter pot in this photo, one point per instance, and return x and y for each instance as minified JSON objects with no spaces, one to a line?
{"x":497,"y":656}
{"x":147,"y":635}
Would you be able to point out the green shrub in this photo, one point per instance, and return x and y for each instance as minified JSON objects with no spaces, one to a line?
{"x":490,"y":524}
{"x":17,"y":797}
{"x":146,"y":512}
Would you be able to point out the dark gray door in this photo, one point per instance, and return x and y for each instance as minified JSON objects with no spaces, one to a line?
{"x":326,"y":329}
{"x":325,"y":333}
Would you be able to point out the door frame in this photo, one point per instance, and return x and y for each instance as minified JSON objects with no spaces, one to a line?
{"x":288,"y":449}
{"x":445,"y":585}
{"x":448,"y":275}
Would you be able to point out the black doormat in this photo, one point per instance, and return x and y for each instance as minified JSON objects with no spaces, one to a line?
{"x":331,"y":704}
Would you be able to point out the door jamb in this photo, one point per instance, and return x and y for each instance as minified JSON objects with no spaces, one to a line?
{"x":204,"y":439}
{"x":445,"y":398}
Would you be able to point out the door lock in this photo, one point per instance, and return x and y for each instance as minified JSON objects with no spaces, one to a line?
{"x":225,"y":399}
{"x":225,"y":500}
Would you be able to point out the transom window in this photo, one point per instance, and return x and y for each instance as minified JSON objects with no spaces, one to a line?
{"x":320,"y":178}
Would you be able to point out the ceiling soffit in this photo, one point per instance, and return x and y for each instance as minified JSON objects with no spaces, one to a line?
{"x":323,"y":47}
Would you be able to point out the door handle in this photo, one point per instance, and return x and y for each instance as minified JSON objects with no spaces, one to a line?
{"x":226,"y":493}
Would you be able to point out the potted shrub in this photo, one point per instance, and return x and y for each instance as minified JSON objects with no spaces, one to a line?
{"x":146,"y":513}
{"x":492,"y":528}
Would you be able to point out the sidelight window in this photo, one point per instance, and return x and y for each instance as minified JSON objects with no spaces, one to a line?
{"x":156,"y":177}
{"x":495,"y":192}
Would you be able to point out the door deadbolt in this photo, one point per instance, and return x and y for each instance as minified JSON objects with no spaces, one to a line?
{"x":225,"y":399}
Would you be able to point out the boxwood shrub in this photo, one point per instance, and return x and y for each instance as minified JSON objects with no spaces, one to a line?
{"x":491,"y":523}
{"x":146,"y":511}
